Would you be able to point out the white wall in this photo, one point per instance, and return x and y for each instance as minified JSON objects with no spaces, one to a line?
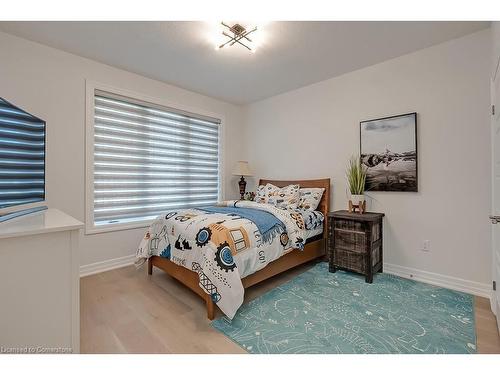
{"x":311,"y":133}
{"x":495,"y":46}
{"x":51,"y":84}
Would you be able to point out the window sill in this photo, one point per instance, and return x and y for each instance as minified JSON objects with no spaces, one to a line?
{"x":92,"y":229}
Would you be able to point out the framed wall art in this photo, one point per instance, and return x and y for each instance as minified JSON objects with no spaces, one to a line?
{"x":389,"y":151}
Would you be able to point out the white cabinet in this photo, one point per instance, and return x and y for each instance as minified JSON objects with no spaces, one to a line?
{"x":39,"y":283}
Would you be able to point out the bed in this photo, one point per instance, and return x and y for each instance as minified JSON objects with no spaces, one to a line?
{"x":190,"y":273}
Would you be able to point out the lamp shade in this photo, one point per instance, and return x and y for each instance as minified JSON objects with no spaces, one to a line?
{"x":242,"y":169}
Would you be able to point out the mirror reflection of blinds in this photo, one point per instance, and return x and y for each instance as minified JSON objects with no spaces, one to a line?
{"x":150,"y":159}
{"x":22,"y":156}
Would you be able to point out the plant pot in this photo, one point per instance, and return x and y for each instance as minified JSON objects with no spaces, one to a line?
{"x":356,"y":198}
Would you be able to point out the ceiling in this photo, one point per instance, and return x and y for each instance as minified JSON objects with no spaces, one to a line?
{"x":291,"y":54}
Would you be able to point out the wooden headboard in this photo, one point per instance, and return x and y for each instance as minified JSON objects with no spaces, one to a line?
{"x":324,"y":204}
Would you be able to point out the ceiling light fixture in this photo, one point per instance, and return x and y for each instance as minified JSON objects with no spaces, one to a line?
{"x":237,"y":34}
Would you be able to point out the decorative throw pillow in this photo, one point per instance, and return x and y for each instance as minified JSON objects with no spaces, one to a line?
{"x":309,"y":198}
{"x":285,"y":197}
{"x":260,"y":194}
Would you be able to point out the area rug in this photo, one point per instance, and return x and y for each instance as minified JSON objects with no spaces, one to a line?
{"x":322,"y":312}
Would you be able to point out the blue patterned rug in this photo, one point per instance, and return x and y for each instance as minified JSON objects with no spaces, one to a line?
{"x":322,"y":312}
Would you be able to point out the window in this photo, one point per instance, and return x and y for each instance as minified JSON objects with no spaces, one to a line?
{"x":148,"y":159}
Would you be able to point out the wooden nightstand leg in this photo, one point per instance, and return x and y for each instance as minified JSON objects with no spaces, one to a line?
{"x":150,"y":266}
{"x":369,"y":253}
{"x":381,"y":236}
{"x":331,"y":265}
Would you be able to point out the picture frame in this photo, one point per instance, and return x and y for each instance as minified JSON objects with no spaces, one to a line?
{"x":388,"y":150}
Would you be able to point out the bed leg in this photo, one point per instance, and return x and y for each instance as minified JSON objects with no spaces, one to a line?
{"x":210,"y":308}
{"x":150,"y":266}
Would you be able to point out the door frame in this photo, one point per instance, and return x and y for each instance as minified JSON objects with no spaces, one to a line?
{"x":493,"y":298}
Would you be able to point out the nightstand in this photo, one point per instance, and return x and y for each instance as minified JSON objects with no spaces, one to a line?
{"x":355,"y":242}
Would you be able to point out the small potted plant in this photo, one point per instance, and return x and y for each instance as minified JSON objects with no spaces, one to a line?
{"x":356,"y":178}
{"x":249,"y":196}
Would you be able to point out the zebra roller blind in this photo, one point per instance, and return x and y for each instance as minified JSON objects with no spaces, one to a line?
{"x":22,"y":156}
{"x":150,"y":159}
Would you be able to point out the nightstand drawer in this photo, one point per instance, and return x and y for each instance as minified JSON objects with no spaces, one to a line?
{"x":348,"y":225}
{"x":350,"y":260}
{"x":350,"y":240}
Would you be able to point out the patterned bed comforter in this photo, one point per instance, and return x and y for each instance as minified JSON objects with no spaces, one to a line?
{"x":227,"y":242}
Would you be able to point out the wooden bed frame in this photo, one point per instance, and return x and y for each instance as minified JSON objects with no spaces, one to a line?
{"x":312,"y":250}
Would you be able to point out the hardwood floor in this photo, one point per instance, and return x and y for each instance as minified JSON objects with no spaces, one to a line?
{"x":488,"y":340}
{"x":126,"y":311}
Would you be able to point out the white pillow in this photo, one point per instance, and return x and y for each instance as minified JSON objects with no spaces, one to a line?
{"x":309,"y":198}
{"x":260,"y":194}
{"x":286,"y":197}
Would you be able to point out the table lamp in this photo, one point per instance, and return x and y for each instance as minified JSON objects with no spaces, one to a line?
{"x":242,"y":169}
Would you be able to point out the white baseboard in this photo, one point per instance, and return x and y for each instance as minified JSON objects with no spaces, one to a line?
{"x":461,"y":285}
{"x":107,"y":265}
